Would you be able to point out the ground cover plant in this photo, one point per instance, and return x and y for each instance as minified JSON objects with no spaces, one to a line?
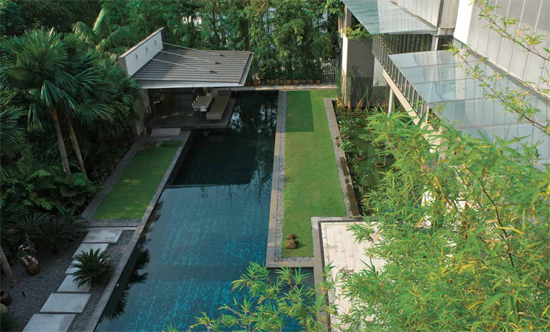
{"x":366,"y":165}
{"x":132,"y":193}
{"x":312,"y":185}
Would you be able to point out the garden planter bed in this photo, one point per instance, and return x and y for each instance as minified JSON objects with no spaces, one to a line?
{"x":37,"y":289}
{"x":365,"y":174}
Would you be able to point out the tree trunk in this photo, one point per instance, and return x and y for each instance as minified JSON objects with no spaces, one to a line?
{"x":7,"y":268}
{"x":60,"y":143}
{"x":76,"y":147}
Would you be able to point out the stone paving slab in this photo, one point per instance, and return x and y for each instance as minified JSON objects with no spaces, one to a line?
{"x":71,"y":270}
{"x":49,"y":323}
{"x":65,"y":303}
{"x":160,"y":132}
{"x":88,"y":246}
{"x":102,"y":236}
{"x":70,"y":286}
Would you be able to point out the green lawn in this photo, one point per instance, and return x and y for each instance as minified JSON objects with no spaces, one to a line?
{"x":312,"y":187}
{"x":130,"y":196}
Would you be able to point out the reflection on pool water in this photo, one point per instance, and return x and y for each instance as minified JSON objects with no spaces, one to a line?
{"x":212,"y":221}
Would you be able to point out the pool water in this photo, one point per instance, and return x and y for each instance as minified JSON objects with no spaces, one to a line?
{"x":212,"y":221}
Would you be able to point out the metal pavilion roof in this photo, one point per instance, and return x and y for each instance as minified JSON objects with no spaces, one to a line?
{"x":159,"y":65}
{"x":221,"y":71}
{"x":384,"y":16}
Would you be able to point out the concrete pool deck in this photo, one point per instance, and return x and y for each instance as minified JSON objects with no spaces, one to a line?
{"x":335,"y":244}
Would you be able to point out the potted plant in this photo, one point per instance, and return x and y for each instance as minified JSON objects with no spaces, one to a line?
{"x":345,"y":132}
{"x":358,"y":122}
{"x":272,"y":73}
{"x":266,"y":72}
{"x":380,"y":161}
{"x":27,"y":256}
{"x":303,"y":72}
{"x":310,"y":70}
{"x":5,"y":298}
{"x":256,"y":81}
{"x":380,"y":164}
{"x":347,"y":145}
{"x":281,"y":80}
{"x":288,"y":75}
{"x":296,"y":78}
{"x":360,"y":155}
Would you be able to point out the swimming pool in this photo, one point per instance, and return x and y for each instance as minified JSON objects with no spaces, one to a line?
{"x":212,"y":222}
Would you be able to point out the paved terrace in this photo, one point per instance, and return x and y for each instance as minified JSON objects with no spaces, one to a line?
{"x":335,"y":244}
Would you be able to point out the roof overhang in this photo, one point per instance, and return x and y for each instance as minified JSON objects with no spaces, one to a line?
{"x":442,"y":81}
{"x":155,"y":66}
{"x":386,"y":17}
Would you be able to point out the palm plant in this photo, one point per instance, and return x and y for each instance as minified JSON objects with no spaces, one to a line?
{"x":93,"y":267}
{"x":103,"y":38}
{"x":34,"y":74}
{"x":55,"y":77}
{"x":12,"y":137}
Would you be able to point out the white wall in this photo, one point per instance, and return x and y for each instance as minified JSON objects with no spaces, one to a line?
{"x":463,"y":19}
{"x":427,"y":9}
{"x":531,"y":14}
{"x":139,"y":55}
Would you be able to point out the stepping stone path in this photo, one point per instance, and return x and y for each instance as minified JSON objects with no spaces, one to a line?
{"x":86,"y":247}
{"x":49,"y":322}
{"x":61,"y":308}
{"x":70,"y":286}
{"x":102,"y":236}
{"x":66,"y":303}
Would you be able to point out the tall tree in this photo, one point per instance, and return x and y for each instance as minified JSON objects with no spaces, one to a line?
{"x":34,"y":75}
{"x":105,"y":39}
{"x":7,"y":268}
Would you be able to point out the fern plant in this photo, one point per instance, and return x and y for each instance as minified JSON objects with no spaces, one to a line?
{"x":94,"y":267}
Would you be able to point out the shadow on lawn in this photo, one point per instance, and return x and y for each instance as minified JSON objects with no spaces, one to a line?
{"x":301,"y":119}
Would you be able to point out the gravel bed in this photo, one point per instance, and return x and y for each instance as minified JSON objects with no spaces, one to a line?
{"x":115,"y":251}
{"x":37,"y":289}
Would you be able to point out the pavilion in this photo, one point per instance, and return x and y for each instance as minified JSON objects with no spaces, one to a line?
{"x":186,"y":88}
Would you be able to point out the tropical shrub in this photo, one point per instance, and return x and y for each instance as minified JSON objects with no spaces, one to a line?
{"x":55,"y":235}
{"x":93,"y":267}
{"x":72,"y":191}
{"x":47,"y":233}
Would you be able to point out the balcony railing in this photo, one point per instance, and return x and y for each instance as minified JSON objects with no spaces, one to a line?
{"x":382,"y":52}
